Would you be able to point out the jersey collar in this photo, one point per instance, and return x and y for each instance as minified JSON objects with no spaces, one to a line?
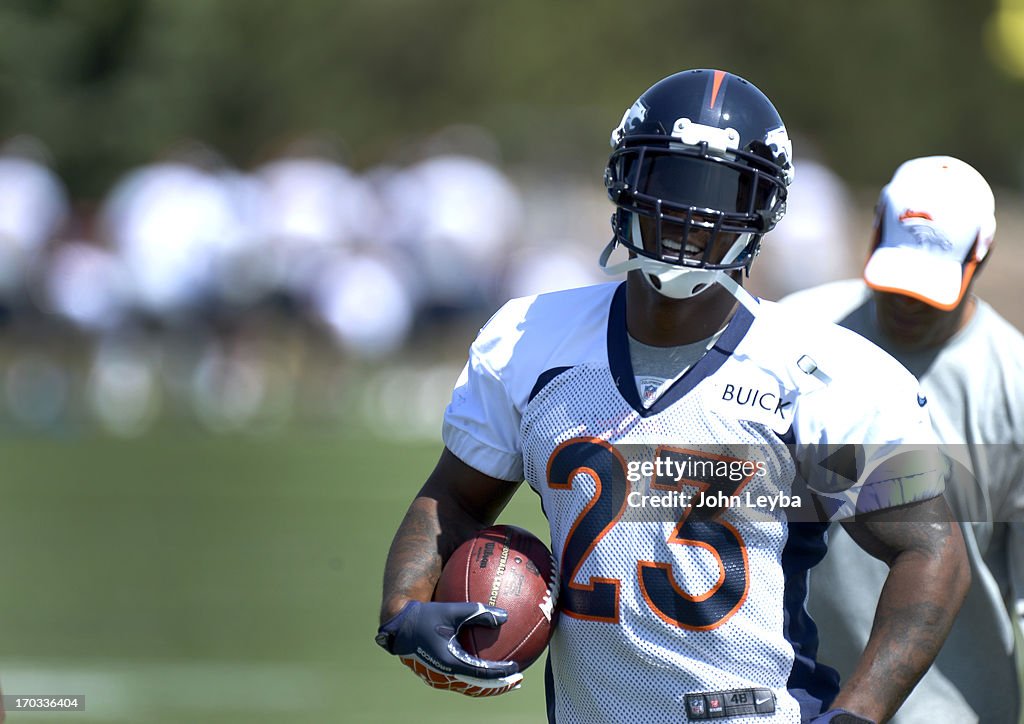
{"x":621,"y":365}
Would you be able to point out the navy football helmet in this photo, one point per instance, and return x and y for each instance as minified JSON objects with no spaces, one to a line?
{"x":699,"y":173}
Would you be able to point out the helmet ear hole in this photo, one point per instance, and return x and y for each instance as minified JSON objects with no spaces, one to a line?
{"x":614,"y":185}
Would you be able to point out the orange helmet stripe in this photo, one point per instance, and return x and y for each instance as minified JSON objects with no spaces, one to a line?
{"x":719,"y":76}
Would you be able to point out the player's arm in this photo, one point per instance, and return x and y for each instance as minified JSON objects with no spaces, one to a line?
{"x":927,"y":582}
{"x":454,"y":504}
{"x":451,"y":507}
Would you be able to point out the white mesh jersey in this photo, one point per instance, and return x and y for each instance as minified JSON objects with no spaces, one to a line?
{"x":657,"y":603}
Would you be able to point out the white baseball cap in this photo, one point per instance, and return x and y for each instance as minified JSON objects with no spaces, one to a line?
{"x":935,"y":221}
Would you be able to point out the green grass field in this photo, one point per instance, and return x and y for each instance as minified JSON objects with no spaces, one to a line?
{"x":189,"y":578}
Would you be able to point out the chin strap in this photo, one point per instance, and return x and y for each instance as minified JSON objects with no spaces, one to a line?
{"x":677,"y":282}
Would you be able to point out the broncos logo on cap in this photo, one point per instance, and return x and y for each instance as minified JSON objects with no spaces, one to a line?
{"x":925,"y":234}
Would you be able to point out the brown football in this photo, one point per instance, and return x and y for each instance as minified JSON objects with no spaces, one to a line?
{"x":507,"y":567}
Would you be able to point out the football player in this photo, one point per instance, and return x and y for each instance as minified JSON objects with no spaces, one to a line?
{"x":678,"y":381}
{"x":934,"y":230}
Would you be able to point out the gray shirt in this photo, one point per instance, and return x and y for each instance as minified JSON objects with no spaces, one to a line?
{"x":656,"y":368}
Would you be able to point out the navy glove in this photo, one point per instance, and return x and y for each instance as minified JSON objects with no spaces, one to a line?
{"x":839,"y":716}
{"x":424,"y":636}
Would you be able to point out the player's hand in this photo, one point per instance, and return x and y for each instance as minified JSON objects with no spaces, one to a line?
{"x":839,"y":716}
{"x":465,"y":685}
{"x":425,"y":636}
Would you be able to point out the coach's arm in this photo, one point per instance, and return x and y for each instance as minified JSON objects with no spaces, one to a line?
{"x":928,"y":578}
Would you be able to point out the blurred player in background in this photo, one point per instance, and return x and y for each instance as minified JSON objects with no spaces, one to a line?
{"x":934,"y":228}
{"x":696,"y":613}
{"x":813,"y":237}
{"x":34,"y":205}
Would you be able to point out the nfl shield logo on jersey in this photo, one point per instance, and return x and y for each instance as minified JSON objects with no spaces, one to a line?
{"x":649,"y":387}
{"x":695,"y":704}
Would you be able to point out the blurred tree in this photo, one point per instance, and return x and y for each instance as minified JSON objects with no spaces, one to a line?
{"x":112,"y":83}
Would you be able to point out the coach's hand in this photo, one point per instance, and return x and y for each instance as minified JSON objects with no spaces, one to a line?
{"x":425,"y":636}
{"x":839,"y":716}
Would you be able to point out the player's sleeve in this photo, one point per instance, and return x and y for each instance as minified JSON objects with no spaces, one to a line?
{"x":866,"y":441}
{"x":481,"y":423}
